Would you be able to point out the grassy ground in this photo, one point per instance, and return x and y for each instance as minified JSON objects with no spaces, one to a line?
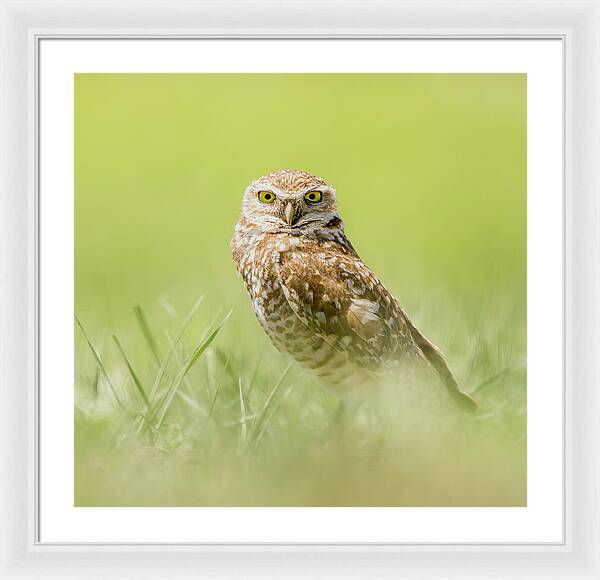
{"x":179,"y":403}
{"x":178,"y":411}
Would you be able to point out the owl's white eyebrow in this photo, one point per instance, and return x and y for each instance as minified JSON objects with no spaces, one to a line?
{"x":267,"y":187}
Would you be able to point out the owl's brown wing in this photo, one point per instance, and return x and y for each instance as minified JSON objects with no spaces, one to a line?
{"x":337,"y":297}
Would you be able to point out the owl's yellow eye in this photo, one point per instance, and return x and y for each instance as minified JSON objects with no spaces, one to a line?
{"x":313,"y":196}
{"x":266,"y":196}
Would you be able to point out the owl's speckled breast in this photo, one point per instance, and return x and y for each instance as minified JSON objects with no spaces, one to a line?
{"x":258,"y":267}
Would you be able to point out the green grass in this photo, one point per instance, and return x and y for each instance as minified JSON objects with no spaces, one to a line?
{"x":179,"y":404}
{"x":208,"y":423}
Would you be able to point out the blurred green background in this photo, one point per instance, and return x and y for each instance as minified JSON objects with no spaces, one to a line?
{"x":430,"y":171}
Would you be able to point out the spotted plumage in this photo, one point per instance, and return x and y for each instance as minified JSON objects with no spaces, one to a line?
{"x":311,"y":292}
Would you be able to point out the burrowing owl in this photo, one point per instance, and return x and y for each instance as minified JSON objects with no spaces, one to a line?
{"x":312,"y":293}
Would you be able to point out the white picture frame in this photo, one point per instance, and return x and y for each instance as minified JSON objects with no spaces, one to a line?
{"x":25,"y":23}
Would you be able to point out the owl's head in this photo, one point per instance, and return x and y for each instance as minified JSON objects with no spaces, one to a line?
{"x":289,"y":200}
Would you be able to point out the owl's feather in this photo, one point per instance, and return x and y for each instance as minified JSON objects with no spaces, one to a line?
{"x":363,"y":319}
{"x":337,"y":297}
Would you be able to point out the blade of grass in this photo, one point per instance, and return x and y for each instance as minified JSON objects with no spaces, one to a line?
{"x":255,"y":372}
{"x":145,"y":328}
{"x":243,"y":426}
{"x":100,"y":364}
{"x":191,"y":360}
{"x":154,"y":409}
{"x":191,"y":402}
{"x":218,"y":388}
{"x":167,"y":306}
{"x":496,"y":377}
{"x":135,"y":378}
{"x":146,"y":419}
{"x":263,"y":413}
{"x":95,"y":382}
{"x":188,"y":398}
{"x":180,"y":331}
{"x":212,"y":322}
{"x":270,"y":415}
{"x":237,"y":422}
{"x":179,"y":362}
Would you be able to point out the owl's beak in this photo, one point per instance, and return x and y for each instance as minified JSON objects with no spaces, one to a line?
{"x":289,"y":213}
